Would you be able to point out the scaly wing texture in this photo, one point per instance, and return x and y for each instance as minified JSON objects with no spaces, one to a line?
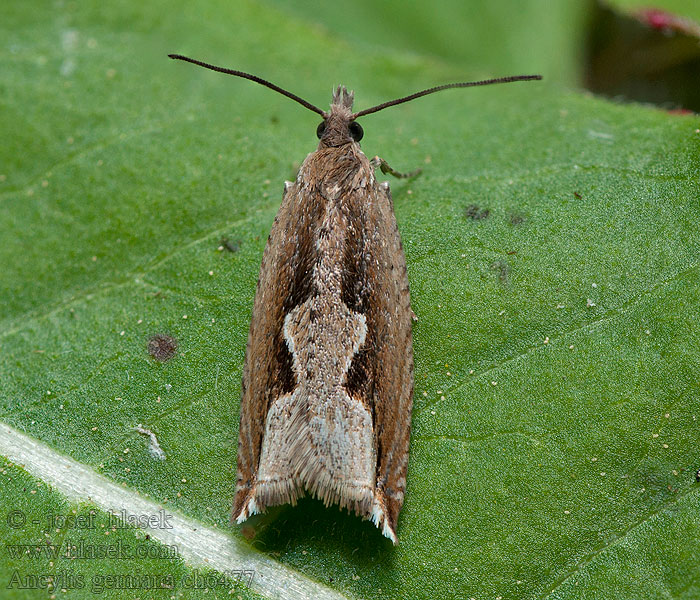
{"x":383,"y":369}
{"x":284,"y":282}
{"x":364,"y":276}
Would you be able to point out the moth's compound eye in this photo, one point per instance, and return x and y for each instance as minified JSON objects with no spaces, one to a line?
{"x":320,"y":129}
{"x":356,"y":131}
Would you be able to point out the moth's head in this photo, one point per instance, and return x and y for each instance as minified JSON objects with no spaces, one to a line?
{"x":339,"y":126}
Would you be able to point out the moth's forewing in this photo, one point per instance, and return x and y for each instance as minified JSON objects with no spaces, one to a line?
{"x":334,"y":247}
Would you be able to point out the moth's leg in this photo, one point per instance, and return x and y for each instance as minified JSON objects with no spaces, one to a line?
{"x":384,"y":166}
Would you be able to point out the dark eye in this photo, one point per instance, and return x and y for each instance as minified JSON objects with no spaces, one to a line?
{"x":320,"y":129}
{"x":356,"y":131}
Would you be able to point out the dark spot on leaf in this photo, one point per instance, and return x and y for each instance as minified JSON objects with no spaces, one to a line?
{"x":516,"y":218}
{"x":475,"y":213}
{"x":162,"y":347}
{"x":578,"y":195}
{"x":229,"y":245}
{"x":148,"y":536}
{"x":502,"y":270}
{"x":697,"y":476}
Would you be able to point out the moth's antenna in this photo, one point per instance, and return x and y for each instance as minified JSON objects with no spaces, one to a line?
{"x":447,"y":86}
{"x":255,"y":78}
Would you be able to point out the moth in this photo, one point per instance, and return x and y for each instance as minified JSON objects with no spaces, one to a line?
{"x":328,"y":373}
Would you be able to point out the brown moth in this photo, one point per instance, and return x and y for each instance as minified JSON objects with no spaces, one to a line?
{"x":328,"y":374}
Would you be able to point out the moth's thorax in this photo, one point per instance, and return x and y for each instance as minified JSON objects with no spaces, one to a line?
{"x":337,"y":172}
{"x":338,"y":120}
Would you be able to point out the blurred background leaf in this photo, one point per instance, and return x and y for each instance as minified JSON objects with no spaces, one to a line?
{"x":489,"y":37}
{"x":647,"y":54}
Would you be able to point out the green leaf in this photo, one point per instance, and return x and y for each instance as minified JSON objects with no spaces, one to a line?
{"x":555,"y":428}
{"x":52,"y":547}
